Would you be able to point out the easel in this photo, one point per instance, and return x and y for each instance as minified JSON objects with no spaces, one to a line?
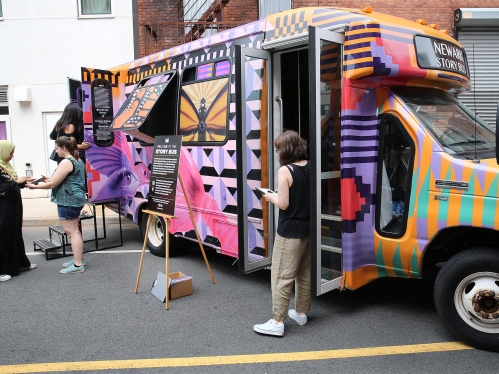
{"x":167,"y":243}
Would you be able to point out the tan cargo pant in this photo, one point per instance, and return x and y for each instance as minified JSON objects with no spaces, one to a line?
{"x":290,"y":264}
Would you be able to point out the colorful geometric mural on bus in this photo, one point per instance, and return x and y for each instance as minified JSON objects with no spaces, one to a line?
{"x":371,"y":64}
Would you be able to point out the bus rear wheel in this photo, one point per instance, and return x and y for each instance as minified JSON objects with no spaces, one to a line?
{"x":466,"y":297}
{"x":156,"y":236}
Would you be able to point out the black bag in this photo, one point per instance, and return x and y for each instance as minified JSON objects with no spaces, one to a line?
{"x":54,"y":156}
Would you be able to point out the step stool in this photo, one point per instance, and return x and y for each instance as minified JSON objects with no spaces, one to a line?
{"x":50,"y":245}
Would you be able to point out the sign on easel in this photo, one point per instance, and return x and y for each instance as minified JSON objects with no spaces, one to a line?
{"x":164,"y":172}
{"x":161,"y":200}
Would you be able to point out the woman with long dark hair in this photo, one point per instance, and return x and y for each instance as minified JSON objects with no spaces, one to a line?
{"x":68,"y":192}
{"x":12,"y":251}
{"x":70,"y":125}
{"x":291,"y":253}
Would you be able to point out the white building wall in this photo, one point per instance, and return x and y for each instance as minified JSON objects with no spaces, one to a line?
{"x":42,"y":44}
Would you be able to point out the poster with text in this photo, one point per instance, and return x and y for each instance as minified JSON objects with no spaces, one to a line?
{"x":164,"y":172}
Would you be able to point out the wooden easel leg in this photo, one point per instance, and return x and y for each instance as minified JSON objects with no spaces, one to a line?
{"x":142,"y":256}
{"x":167,"y":256}
{"x":196,"y":230}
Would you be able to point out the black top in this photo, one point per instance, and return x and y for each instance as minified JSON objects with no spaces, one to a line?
{"x":12,"y":251}
{"x":79,"y":139}
{"x":55,"y":134}
{"x":294,"y":222}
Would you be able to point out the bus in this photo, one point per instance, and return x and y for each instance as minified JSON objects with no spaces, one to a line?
{"x":405,"y":178}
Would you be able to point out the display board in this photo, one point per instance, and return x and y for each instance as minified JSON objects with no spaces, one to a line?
{"x":164,"y":173}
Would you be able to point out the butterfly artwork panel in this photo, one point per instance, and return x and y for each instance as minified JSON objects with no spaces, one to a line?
{"x":139,"y":104}
{"x":203,"y":111}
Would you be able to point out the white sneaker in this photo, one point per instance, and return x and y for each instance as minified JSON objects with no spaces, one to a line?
{"x":30,"y":267}
{"x":301,"y":320}
{"x":4,"y":277}
{"x":270,"y":328}
{"x":72,"y":262}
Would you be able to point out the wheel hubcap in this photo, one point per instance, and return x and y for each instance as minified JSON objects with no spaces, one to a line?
{"x":486,"y":304}
{"x":156,"y":232}
{"x":477,"y":301}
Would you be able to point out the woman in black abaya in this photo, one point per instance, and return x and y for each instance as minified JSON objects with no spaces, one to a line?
{"x":12,"y":252}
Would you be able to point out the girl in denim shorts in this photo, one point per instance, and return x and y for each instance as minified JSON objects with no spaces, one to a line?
{"x":68,"y":192}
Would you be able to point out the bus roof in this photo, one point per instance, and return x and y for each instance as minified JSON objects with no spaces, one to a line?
{"x":357,"y":24}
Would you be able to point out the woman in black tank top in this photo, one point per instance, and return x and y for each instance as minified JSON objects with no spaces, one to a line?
{"x":70,"y":125}
{"x":291,"y":253}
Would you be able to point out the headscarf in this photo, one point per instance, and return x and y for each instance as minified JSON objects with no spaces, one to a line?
{"x":5,"y":148}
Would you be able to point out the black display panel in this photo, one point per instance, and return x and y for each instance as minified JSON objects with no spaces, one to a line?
{"x":164,"y":173}
{"x":102,"y":112}
{"x":438,"y":54}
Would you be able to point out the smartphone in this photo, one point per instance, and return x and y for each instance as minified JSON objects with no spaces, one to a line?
{"x":266,"y":190}
{"x":35,"y":182}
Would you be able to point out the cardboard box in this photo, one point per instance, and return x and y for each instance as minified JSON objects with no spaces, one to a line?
{"x":180,"y":286}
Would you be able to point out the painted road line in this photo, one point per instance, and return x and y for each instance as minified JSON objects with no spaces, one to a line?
{"x":234,"y":360}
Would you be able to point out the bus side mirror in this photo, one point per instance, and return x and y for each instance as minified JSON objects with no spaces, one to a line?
{"x":497,"y":134}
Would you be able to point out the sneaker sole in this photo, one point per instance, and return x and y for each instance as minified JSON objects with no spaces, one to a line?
{"x":73,"y":272}
{"x":267,"y":332}
{"x":298,"y":321}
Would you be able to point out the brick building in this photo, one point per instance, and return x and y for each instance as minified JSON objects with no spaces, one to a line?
{"x":167,"y":23}
{"x":154,"y":14}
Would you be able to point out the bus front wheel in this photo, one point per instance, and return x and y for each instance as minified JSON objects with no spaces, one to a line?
{"x":466,"y":297}
{"x":156,"y":236}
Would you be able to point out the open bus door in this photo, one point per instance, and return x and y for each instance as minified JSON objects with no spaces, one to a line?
{"x":101,"y":98}
{"x":321,"y":73}
{"x":253,"y":73}
{"x":325,"y":72}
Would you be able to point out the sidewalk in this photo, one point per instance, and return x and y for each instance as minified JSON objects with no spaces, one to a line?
{"x":41,"y":212}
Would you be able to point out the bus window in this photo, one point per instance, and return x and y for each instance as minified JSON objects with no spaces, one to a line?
{"x":396,"y":159}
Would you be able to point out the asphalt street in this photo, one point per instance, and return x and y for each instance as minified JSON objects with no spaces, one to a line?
{"x":52,"y":318}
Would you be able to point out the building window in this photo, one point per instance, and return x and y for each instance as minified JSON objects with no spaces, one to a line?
{"x":266,"y":8}
{"x":1,"y":13}
{"x":94,"y":7}
{"x":4,"y":103}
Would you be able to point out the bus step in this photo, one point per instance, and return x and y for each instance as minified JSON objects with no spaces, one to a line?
{"x":331,"y":244}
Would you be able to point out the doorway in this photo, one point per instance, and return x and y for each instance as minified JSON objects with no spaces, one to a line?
{"x":307,"y":99}
{"x":291,"y":85}
{"x":302,"y":89}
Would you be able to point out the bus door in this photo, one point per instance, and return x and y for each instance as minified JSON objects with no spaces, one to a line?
{"x":325,"y":71}
{"x":101,"y":99}
{"x":253,"y":74}
{"x":306,"y":77}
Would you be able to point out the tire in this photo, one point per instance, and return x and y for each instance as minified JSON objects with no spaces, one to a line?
{"x":156,"y":237}
{"x":466,"y":297}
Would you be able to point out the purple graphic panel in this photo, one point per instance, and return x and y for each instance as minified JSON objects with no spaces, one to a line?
{"x":3,"y":130}
{"x":222,"y":68}
{"x":204,"y":71}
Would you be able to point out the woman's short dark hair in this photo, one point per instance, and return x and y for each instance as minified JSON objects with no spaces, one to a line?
{"x":73,"y":115}
{"x":70,"y":144}
{"x":291,"y":147}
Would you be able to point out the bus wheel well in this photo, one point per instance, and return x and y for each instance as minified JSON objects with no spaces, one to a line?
{"x":156,"y":236}
{"x":453,"y":240}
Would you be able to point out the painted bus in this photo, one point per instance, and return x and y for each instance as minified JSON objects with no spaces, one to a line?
{"x":405,"y":179}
